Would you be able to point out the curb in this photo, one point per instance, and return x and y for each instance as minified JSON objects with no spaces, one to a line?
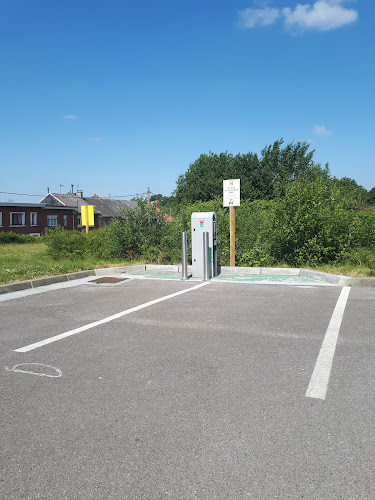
{"x":224,"y":270}
{"x":49,"y":280}
{"x":119,"y":270}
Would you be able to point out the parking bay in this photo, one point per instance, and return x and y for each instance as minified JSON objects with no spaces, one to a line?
{"x":200,"y":395}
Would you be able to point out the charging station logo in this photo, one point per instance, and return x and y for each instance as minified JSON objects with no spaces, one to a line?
{"x":201,"y":223}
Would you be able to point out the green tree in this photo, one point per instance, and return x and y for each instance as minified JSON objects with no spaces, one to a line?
{"x":369,"y":197}
{"x":263,"y":177}
{"x":353,"y":189}
{"x":317,"y":221}
{"x":168,"y":204}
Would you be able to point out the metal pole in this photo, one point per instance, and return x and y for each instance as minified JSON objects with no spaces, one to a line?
{"x":206,"y":269}
{"x":184,"y":255}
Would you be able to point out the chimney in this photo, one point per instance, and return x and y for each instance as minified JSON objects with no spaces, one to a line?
{"x":80,"y":193}
{"x":48,"y":190}
{"x":72,"y":188}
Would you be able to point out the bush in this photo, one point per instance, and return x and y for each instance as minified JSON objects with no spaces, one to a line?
{"x":138,"y":234}
{"x":360,"y":257}
{"x":76,"y":244}
{"x":317,"y":222}
{"x":63,"y":243}
{"x":11,"y":237}
{"x":255,"y":258}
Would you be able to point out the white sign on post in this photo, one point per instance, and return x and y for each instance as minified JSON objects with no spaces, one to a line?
{"x":231,"y":193}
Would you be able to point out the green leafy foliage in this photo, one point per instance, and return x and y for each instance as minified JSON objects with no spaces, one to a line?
{"x":138,"y":234}
{"x":167,"y":204}
{"x":263,"y":177}
{"x":292,"y":212}
{"x":10,"y":237}
{"x":369,"y":197}
{"x":76,"y":244}
{"x":317,"y":221}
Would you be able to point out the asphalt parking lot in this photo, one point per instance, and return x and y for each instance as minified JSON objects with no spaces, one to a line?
{"x":153,"y":389}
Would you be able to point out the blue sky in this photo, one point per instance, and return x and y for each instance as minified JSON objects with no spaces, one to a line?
{"x":115,"y":96}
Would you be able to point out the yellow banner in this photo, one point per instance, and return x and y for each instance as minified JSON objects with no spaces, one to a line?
{"x":89,"y":209}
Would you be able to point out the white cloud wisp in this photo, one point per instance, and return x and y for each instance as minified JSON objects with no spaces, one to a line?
{"x":322,"y":15}
{"x":251,"y":17}
{"x":321,"y":131}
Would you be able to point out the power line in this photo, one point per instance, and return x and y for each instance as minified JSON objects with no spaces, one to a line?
{"x":127,"y":195}
{"x":27,"y":194}
{"x":21,"y":194}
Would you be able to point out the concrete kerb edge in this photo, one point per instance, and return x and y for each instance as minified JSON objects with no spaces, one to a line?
{"x":104,"y":271}
{"x":326,"y":277}
{"x":225,"y":270}
{"x":48,"y":280}
{"x":160,"y":267}
{"x":264,"y":271}
{"x":15,"y":287}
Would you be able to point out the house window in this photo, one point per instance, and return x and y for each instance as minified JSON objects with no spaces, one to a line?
{"x":1,"y":218}
{"x":52,"y":220}
{"x":79,"y":220}
{"x":65,"y":220}
{"x":33,"y":219}
{"x":17,"y":218}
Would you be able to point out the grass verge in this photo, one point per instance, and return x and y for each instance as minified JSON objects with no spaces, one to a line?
{"x":31,"y":260}
{"x":347,"y":270}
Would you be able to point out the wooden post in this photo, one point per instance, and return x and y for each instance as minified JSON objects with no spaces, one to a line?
{"x":87,"y":218}
{"x":232,"y":237}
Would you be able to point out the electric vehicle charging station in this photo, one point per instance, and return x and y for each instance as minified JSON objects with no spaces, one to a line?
{"x":203,"y":222}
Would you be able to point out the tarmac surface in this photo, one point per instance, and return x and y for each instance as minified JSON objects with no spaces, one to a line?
{"x":159,"y":388}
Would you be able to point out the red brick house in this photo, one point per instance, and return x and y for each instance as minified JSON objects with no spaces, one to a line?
{"x":59,"y":210}
{"x":34,"y":218}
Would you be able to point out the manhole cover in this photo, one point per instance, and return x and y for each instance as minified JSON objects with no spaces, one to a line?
{"x":108,"y":279}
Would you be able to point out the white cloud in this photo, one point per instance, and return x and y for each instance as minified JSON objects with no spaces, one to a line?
{"x":321,"y":131}
{"x":323,"y":15}
{"x":251,"y":17}
{"x":70,"y":117}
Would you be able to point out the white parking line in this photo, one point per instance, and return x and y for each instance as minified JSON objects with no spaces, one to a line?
{"x":319,"y":379}
{"x":105,"y":320}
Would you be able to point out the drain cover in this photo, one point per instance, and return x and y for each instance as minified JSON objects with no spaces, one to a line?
{"x":108,"y":279}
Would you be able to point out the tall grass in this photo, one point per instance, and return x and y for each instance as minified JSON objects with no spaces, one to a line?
{"x":31,"y":260}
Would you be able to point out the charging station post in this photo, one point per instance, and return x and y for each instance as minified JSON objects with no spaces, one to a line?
{"x":203,"y":222}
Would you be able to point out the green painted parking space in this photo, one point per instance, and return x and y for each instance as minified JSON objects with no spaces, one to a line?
{"x":273,"y":280}
{"x":232,"y":278}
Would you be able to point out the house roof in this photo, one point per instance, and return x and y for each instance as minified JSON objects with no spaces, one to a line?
{"x":67,"y":200}
{"x":106,"y":207}
{"x":110,"y":207}
{"x":30,"y":205}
